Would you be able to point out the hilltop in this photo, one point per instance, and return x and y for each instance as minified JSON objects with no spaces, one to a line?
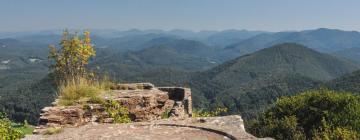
{"x":250,"y":83}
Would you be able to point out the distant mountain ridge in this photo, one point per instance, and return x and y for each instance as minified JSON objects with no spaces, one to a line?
{"x":323,"y":40}
{"x":231,"y":43}
{"x":205,"y":35}
{"x":158,"y":54}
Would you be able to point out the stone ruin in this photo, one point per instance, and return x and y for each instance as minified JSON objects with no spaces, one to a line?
{"x":144,"y":101}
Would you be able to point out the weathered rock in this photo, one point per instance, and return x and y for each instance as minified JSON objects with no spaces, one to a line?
{"x":133,"y":86}
{"x":72,"y":115}
{"x":108,"y":120}
{"x":143,"y":101}
{"x":95,"y":112}
{"x":143,"y":105}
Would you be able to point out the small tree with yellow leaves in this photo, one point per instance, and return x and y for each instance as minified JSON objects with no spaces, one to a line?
{"x":72,"y":57}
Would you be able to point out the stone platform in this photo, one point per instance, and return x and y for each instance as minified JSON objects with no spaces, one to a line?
{"x":212,"y":128}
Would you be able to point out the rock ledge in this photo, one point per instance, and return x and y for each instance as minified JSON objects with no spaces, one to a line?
{"x":212,"y":128}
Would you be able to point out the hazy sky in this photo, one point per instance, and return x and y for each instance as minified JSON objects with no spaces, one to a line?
{"x":269,"y":15}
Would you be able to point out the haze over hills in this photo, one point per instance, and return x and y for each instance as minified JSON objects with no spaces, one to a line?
{"x":227,"y":37}
{"x":323,"y":40}
{"x":234,"y":42}
{"x":213,"y":37}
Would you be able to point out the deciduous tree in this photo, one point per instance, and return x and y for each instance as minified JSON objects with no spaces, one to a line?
{"x":72,"y":57}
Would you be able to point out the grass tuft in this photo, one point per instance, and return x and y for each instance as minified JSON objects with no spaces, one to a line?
{"x":82,"y":91}
{"x":53,"y":130}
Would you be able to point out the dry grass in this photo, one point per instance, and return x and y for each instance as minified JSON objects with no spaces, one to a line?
{"x":82,"y":91}
{"x":53,"y":130}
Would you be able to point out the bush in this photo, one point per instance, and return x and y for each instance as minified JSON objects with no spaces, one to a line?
{"x":118,"y":112}
{"x":317,"y":114}
{"x":7,"y":132}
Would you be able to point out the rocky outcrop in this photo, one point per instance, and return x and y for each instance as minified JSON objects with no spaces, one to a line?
{"x":144,"y":101}
{"x":59,"y":115}
{"x":147,"y":105}
{"x":143,"y":105}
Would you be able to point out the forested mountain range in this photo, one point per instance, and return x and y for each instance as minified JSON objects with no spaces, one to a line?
{"x":21,"y":63}
{"x":251,"y":82}
{"x":244,"y":71}
{"x":160,"y":53}
{"x":323,"y":40}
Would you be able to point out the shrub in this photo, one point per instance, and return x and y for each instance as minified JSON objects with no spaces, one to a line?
{"x":7,"y":132}
{"x":118,"y":112}
{"x":316,"y":114}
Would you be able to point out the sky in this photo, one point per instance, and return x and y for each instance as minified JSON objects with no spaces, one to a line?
{"x":265,"y":15}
